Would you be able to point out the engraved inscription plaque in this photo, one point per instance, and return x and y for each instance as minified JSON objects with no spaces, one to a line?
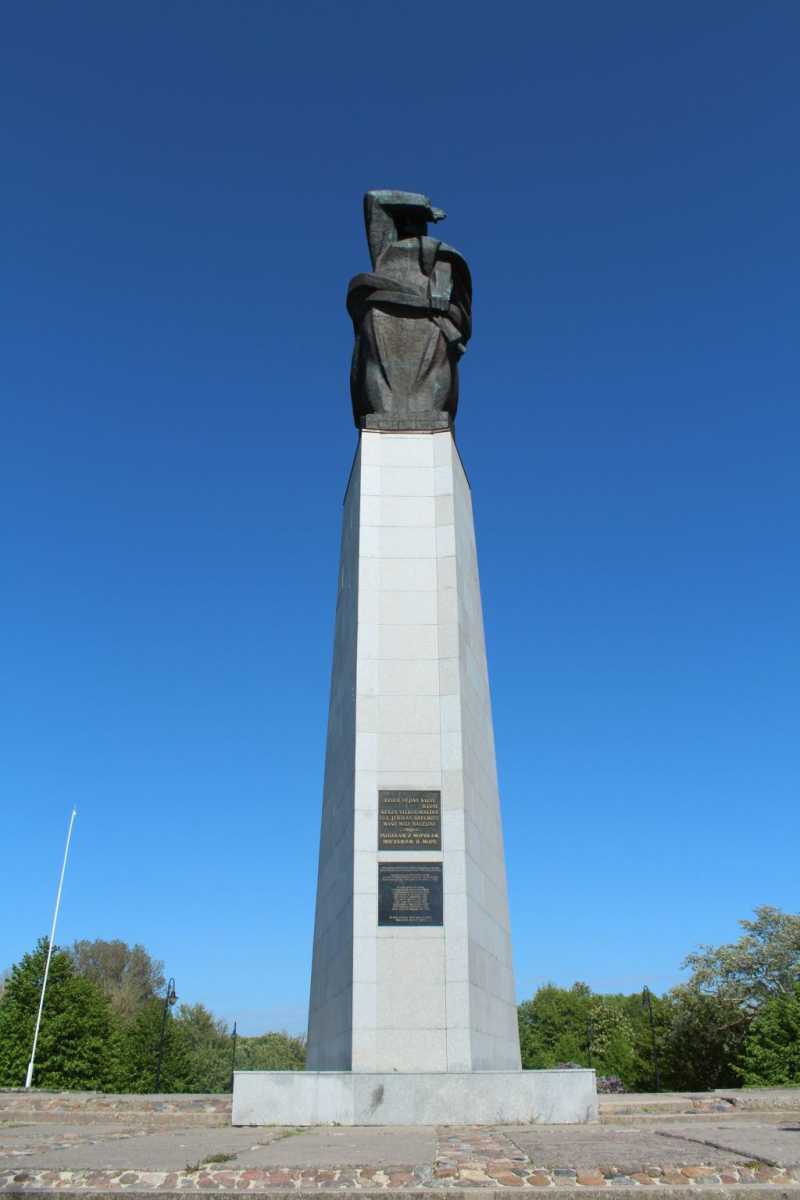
{"x":409,"y":820}
{"x":410,"y":894}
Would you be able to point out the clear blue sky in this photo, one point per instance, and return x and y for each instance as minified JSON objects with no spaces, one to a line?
{"x":182,"y":211}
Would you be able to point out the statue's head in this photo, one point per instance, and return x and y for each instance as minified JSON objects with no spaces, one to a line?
{"x":391,"y":216}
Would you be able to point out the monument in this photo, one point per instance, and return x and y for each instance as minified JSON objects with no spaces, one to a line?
{"x":413,"y":1015}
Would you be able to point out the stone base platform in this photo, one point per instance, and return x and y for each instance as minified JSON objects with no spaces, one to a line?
{"x":433,"y":1098}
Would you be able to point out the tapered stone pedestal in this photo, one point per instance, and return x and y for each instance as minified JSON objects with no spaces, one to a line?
{"x":412,"y":983}
{"x":410,"y":710}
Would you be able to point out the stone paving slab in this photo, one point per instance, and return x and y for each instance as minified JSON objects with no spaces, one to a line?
{"x":734,"y":1101}
{"x":777,"y":1144}
{"x":629,"y":1149}
{"x":90,"y":1148}
{"x":23,"y":1137}
{"x":107,"y":1159}
{"x":323,"y":1146}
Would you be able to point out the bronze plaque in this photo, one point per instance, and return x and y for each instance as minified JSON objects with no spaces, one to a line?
{"x":409,"y":820}
{"x":410,"y":894}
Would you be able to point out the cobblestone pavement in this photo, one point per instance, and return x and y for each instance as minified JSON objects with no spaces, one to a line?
{"x":108,"y":1158}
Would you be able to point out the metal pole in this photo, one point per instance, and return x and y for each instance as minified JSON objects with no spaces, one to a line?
{"x":169,"y":999}
{"x":29,"y":1075}
{"x":647,"y":999}
{"x":233,"y":1055}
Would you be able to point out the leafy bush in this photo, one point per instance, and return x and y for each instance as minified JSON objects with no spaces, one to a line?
{"x":771,"y":1056}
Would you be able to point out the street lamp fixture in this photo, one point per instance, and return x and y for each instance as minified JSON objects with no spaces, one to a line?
{"x":169,"y":999}
{"x":647,"y":1003}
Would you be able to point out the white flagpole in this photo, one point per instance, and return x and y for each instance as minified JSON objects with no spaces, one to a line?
{"x":29,"y":1076}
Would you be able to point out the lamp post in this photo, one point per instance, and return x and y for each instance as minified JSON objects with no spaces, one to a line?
{"x":647,"y":1002}
{"x":169,"y":1000}
{"x":233,"y":1053}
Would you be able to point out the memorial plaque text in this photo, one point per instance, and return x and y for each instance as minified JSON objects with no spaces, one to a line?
{"x":410,"y":894}
{"x":409,"y":820}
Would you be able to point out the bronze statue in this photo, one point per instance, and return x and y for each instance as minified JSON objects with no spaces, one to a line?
{"x":411,"y":317}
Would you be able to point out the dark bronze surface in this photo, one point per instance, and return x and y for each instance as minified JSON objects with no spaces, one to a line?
{"x":412,"y":318}
{"x":410,"y":894}
{"x":409,"y":820}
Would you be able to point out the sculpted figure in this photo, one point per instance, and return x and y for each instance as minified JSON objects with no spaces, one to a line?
{"x":411,"y":316}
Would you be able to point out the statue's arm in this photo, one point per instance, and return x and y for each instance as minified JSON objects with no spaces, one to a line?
{"x":461,"y":295}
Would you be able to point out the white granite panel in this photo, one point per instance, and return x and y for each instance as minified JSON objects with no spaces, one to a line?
{"x":366,"y":829}
{"x":409,"y":751}
{"x":402,"y":1049}
{"x":370,"y":541}
{"x":446,"y":572}
{"x":367,"y":676}
{"x":459,"y":1048}
{"x":399,"y":541}
{"x":457,"y":945}
{"x":413,"y":779}
{"x":365,"y":872}
{"x":445,"y":541}
{"x":407,"y":714}
{"x":406,"y":481}
{"x":365,"y":947}
{"x":412,"y":511}
{"x":410,"y":642}
{"x":407,"y":678}
{"x":407,"y":608}
{"x":405,"y":450}
{"x":365,"y":999}
{"x":367,"y":714}
{"x":448,"y":641}
{"x":453,"y":831}
{"x":407,"y":574}
{"x":368,"y":640}
{"x":452,"y":790}
{"x":371,"y":481}
{"x":444,"y":510}
{"x":369,"y":574}
{"x":366,"y":752}
{"x":449,"y":677}
{"x":364,"y":1044}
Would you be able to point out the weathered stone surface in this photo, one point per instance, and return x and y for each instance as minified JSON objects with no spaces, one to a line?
{"x":75,"y":1160}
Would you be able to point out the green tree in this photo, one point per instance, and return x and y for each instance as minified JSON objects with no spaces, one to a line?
{"x":139,"y":1049}
{"x":771,"y":1056}
{"x":560,"y":1024}
{"x":208,"y":1046}
{"x":271,"y":1052}
{"x":612,"y":1037}
{"x":127,"y":974}
{"x":711,"y":1014}
{"x":78,"y":1034}
{"x":554,"y":1026}
{"x":764,"y":962}
{"x":703,"y":1042}
{"x":642,"y":1077}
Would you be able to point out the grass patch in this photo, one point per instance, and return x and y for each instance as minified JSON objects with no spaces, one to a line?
{"x":208,"y":1161}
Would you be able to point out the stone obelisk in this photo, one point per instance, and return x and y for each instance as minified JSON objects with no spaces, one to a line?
{"x":413,"y":1014}
{"x":412,"y":949}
